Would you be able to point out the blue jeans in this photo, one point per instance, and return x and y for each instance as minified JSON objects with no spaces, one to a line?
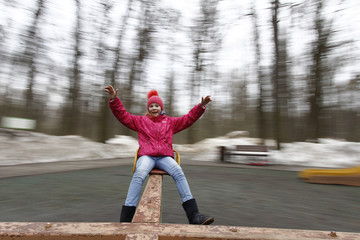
{"x":144,"y":165}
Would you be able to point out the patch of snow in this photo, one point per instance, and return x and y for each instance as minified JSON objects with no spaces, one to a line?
{"x":327,"y":153}
{"x":20,"y":147}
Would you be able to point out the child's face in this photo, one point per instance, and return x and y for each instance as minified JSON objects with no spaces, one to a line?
{"x":154,"y":109}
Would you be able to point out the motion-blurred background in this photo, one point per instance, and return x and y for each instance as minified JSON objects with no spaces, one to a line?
{"x":284,"y":70}
{"x":284,"y":73}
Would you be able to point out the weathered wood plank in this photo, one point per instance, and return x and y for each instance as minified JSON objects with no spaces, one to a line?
{"x":149,"y":207}
{"x":110,"y":231}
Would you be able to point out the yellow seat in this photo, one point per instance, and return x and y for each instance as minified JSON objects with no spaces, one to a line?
{"x":345,"y":176}
{"x":156,"y":171}
{"x":308,"y":173}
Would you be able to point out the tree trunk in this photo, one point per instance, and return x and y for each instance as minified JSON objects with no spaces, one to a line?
{"x":32,"y":48}
{"x":261,"y":121}
{"x":319,"y":51}
{"x":276,"y":119}
{"x":72,"y":115}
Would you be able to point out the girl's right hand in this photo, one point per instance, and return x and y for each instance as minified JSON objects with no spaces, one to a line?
{"x":205,"y":100}
{"x":112,"y":92}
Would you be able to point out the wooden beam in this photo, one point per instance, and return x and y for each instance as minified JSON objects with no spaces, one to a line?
{"x":149,"y":207}
{"x":142,"y":237}
{"x":119,"y":231}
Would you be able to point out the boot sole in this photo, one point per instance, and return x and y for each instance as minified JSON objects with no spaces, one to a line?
{"x":208,"y":221}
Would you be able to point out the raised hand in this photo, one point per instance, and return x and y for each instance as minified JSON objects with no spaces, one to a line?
{"x":112,"y":92}
{"x":205,"y":100}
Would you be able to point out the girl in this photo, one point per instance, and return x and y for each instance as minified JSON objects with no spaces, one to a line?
{"x":155,"y":133}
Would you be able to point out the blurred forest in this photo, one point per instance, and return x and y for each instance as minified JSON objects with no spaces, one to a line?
{"x":297,"y":80}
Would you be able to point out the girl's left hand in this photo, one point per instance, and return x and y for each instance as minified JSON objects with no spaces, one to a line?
{"x":205,"y":100}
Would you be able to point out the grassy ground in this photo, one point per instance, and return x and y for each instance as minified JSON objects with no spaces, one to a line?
{"x":256,"y":197}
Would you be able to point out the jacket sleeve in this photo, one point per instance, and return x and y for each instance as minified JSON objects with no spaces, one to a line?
{"x":181,"y":123}
{"x":119,"y":111}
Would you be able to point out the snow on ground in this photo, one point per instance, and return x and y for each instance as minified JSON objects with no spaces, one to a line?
{"x":22,"y":147}
{"x":327,"y":153}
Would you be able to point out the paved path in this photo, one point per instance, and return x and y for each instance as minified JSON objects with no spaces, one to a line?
{"x":261,"y":197}
{"x":63,"y":166}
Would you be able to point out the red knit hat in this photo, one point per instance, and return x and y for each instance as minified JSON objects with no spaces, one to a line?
{"x":153,"y":97}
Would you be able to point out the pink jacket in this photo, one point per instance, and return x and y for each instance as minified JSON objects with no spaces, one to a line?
{"x":155,"y":133}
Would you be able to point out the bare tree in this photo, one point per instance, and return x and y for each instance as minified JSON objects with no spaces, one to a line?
{"x":171,"y":21}
{"x":72,"y":110}
{"x":283,"y":90}
{"x":261,"y":121}
{"x":118,"y":50}
{"x":239,"y":100}
{"x":322,"y":69}
{"x":275,"y":78}
{"x":33,"y":44}
{"x":107,"y":124}
{"x":354,"y":127}
{"x":144,"y":46}
{"x":102,"y":51}
{"x":6,"y":60}
{"x":206,"y":41}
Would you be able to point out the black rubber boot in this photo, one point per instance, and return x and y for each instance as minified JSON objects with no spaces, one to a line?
{"x":192,"y":213}
{"x":127,"y":213}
